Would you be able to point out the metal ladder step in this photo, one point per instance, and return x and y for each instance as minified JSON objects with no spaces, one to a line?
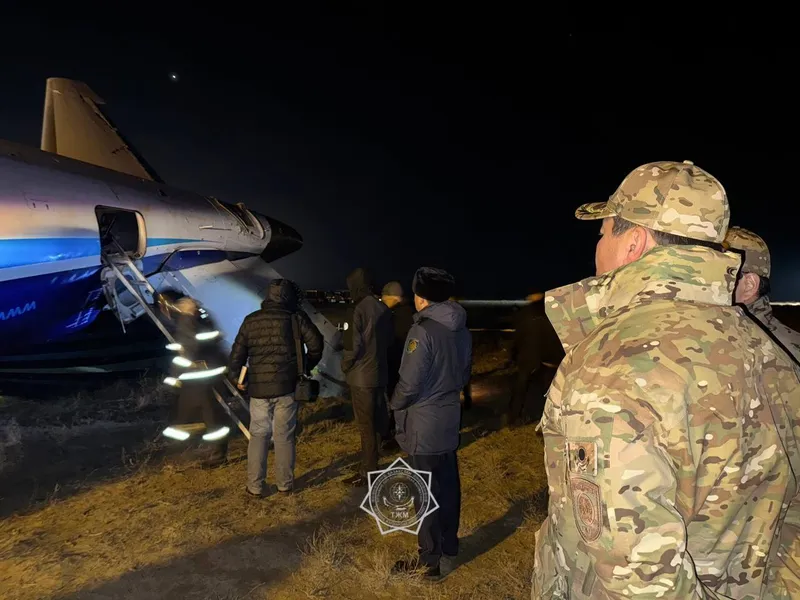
{"x":111,"y":262}
{"x":138,"y":297}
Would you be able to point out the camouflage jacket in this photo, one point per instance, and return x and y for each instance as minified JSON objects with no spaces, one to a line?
{"x":789,"y":338}
{"x":667,"y":474}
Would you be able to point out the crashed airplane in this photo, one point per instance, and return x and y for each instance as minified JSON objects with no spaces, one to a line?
{"x":89,"y":229}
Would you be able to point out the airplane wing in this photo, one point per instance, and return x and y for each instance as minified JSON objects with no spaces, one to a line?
{"x":75,"y":127}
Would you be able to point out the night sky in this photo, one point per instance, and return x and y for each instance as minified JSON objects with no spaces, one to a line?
{"x":393,"y":138}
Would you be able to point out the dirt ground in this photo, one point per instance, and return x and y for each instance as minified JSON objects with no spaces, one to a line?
{"x":94,"y":504}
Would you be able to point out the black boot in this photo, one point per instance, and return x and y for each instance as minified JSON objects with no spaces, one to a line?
{"x":389,"y":447}
{"x":217,"y":457}
{"x":410,"y":567}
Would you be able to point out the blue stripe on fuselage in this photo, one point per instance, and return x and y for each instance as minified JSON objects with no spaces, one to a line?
{"x":51,"y":306}
{"x":31,"y":251}
{"x":152,"y":242}
{"x":20,"y":252}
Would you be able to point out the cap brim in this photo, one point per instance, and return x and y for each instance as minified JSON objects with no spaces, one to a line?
{"x":593,"y":211}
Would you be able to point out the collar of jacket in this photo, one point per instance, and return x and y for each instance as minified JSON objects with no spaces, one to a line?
{"x":420,"y":314}
{"x":693,"y":274}
{"x":761,"y":310}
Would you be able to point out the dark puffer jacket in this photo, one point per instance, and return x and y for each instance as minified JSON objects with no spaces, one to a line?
{"x":367,"y":339}
{"x":265,"y":341}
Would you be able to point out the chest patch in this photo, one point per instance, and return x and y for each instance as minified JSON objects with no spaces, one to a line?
{"x":412,"y":345}
{"x":582,"y":458}
{"x":586,"y":507}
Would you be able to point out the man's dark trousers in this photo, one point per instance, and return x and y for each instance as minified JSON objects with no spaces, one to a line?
{"x":369,"y":409}
{"x":390,"y":424}
{"x":439,"y":531}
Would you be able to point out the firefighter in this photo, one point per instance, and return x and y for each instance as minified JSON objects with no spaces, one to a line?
{"x":197,"y":367}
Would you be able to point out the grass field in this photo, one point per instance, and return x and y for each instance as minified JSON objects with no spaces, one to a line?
{"x":94,"y":504}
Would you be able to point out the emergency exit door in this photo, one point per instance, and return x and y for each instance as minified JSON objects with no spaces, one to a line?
{"x":121,"y":229}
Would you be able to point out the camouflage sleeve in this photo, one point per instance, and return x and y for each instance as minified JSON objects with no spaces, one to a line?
{"x":783,"y":566}
{"x":783,"y":579}
{"x":620,"y":488}
{"x":646,"y":552}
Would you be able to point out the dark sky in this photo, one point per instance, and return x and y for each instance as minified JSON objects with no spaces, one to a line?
{"x":393,"y":138}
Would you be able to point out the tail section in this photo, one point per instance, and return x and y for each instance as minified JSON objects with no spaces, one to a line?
{"x":75,"y":127}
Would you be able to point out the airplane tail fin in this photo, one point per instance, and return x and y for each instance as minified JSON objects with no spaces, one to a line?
{"x":75,"y":127}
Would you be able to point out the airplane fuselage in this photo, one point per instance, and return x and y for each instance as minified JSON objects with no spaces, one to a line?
{"x":50,"y":238}
{"x":86,"y":226}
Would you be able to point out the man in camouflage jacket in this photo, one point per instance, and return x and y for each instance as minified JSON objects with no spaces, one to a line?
{"x":752,"y":288}
{"x":668,"y":428}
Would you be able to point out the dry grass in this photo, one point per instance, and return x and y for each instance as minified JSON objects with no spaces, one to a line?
{"x":157,"y":526}
{"x":123,"y":401}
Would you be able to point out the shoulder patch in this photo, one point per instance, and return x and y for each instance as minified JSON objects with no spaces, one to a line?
{"x":413,"y":344}
{"x":586,"y":507}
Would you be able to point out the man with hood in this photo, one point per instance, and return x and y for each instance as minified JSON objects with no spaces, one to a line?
{"x":266,"y":343}
{"x":436,"y":366}
{"x":366,"y":346}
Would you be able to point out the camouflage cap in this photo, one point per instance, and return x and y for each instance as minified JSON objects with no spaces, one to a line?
{"x":672,"y":197}
{"x":756,"y":254}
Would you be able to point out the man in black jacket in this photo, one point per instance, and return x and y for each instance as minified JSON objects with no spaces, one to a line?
{"x":366,"y":343}
{"x":537,"y":352}
{"x":402,"y":320}
{"x":266,"y":341}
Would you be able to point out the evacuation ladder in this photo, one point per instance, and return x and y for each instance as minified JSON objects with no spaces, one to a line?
{"x":137,"y":299}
